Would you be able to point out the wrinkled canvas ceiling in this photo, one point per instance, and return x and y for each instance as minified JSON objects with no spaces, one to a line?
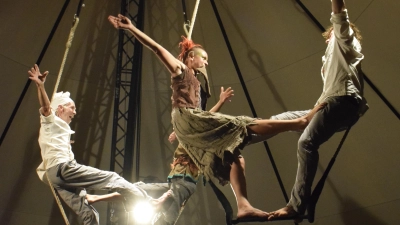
{"x":278,"y":50}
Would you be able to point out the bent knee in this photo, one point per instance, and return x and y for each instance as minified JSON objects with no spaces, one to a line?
{"x":307,"y":144}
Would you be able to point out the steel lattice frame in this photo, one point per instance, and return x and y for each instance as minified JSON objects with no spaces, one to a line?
{"x":126,"y":103}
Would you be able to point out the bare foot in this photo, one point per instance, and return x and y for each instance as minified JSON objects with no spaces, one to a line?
{"x":307,"y":118}
{"x":285,"y":212}
{"x":157,"y":203}
{"x":250,"y":212}
{"x":91,"y":198}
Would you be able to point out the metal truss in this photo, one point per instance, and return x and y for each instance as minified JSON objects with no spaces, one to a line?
{"x":97,"y":100}
{"x":126,"y":127}
{"x":126,"y":120}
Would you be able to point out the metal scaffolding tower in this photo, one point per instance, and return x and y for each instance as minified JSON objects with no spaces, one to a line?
{"x":126,"y":120}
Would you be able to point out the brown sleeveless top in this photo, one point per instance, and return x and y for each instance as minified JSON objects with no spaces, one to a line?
{"x":185,"y":90}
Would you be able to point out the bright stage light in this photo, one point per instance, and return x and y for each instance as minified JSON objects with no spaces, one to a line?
{"x":143,"y":212}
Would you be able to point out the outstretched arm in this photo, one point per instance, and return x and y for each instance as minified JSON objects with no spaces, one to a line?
{"x":223,"y":97}
{"x":39,"y":79}
{"x":173,"y":65}
{"x":338,"y":6}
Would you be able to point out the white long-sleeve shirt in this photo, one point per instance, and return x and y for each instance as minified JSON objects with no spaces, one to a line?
{"x":341,"y":71}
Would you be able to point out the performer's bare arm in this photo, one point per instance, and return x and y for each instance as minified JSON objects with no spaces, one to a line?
{"x":173,"y":64}
{"x":338,"y":6}
{"x":39,"y":79}
{"x":224,"y":96}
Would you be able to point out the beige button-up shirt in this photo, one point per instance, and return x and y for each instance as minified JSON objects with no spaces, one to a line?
{"x":341,"y":71}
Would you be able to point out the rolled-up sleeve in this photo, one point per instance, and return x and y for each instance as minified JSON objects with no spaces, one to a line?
{"x":341,"y":26}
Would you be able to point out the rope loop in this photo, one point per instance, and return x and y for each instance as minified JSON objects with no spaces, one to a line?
{"x":190,"y":24}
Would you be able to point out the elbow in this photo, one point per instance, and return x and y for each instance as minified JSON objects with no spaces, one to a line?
{"x":45,"y":110}
{"x":156,"y":51}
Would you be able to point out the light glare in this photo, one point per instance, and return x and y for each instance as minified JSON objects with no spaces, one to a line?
{"x":143,"y":212}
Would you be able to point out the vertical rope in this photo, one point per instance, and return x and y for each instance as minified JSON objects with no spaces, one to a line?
{"x":68,"y":46}
{"x":64,"y":215}
{"x":196,"y":7}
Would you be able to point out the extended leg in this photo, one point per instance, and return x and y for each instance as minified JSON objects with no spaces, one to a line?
{"x":74,"y":175}
{"x":272,"y":126}
{"x":238,"y":184}
{"x":340,"y":112}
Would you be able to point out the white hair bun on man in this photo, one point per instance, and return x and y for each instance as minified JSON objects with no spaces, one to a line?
{"x":60,"y":98}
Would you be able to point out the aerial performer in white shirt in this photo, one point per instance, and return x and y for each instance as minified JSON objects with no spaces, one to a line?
{"x":345,"y":104}
{"x":59,"y":166}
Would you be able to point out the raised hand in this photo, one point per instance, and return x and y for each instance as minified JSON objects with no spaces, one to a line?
{"x":226,"y":94}
{"x":223,"y":97}
{"x":120,"y":22}
{"x":36,"y":76}
{"x":172,"y":137}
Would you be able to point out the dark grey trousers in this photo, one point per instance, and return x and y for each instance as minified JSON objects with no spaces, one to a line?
{"x":339,"y":113}
{"x":70,"y":178}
